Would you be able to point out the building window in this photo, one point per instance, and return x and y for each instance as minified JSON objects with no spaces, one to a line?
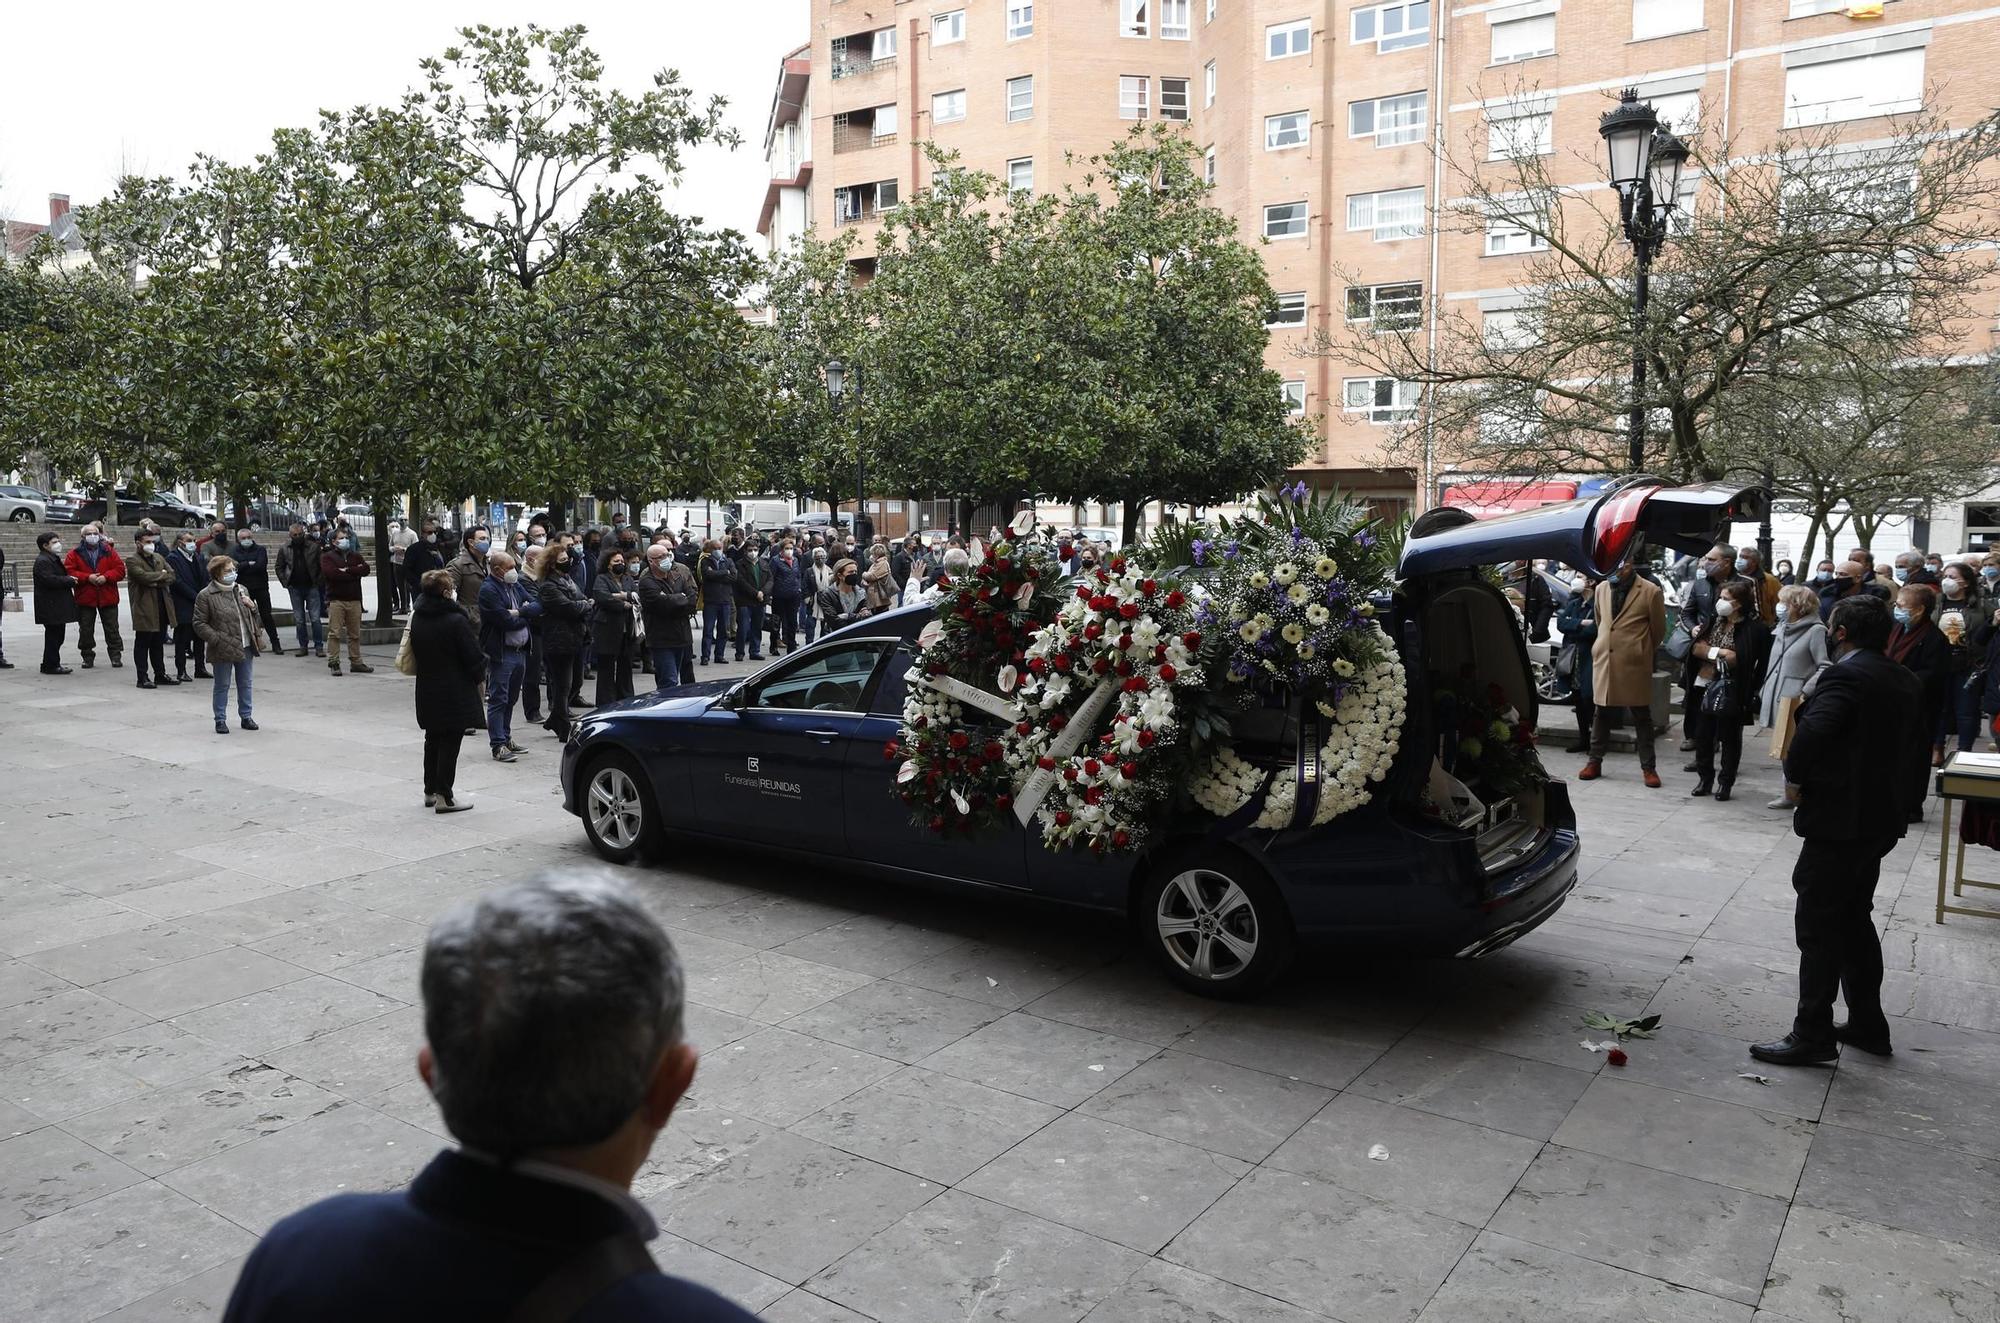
{"x":1385,"y":307}
{"x":1295,"y":397}
{"x":1392,"y":27}
{"x":1509,"y":329}
{"x":1208,"y":83}
{"x":863,"y":52}
{"x":1382,"y":399}
{"x":1209,"y":17}
{"x":1286,"y":130}
{"x":1391,"y":120}
{"x":1290,"y":310}
{"x":1176,"y":19}
{"x":1132,"y":95}
{"x":1885,"y":83}
{"x":1020,"y":98}
{"x":854,"y":130}
{"x":1395,"y":214}
{"x":859,"y":202}
{"x":1284,"y":40}
{"x":1516,"y":227}
{"x":1663,"y":18}
{"x":948,"y":106}
{"x":1135,"y":18}
{"x":1208,"y":167}
{"x":947,"y":28}
{"x":1679,"y":112}
{"x":1512,"y":131}
{"x":1285,"y":220}
{"x":1174,"y":99}
{"x":1020,"y":19}
{"x":1021,"y":175}
{"x":1524,"y":38}
{"x":1680,"y":220}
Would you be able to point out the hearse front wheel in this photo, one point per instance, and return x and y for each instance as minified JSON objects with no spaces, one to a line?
{"x":1214,"y":922}
{"x":619,"y":814}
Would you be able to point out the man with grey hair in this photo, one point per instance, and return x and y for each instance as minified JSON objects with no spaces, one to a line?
{"x":955,"y":566}
{"x":553,"y":1018}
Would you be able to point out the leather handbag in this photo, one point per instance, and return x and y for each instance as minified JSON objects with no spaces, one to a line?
{"x":1719,"y":696}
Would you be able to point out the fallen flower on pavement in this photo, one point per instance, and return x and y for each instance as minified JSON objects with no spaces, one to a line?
{"x":1616,"y":1056}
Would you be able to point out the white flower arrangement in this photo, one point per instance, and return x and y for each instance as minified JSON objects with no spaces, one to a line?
{"x":1358,"y":751}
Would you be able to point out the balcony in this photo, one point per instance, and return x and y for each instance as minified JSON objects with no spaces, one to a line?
{"x":863,"y":202}
{"x":863,"y":53}
{"x":858,"y":130}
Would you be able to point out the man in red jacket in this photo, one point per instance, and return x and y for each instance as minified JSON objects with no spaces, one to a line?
{"x":96,"y":568}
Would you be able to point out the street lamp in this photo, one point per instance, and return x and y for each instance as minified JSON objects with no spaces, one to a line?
{"x":1646,"y":164}
{"x":836,"y":391}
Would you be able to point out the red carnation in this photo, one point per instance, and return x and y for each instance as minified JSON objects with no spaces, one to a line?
{"x":1046,"y":763}
{"x":1136,"y":685}
{"x":985,"y":594}
{"x":1147,"y":587}
{"x":1062,"y":817}
{"x":1160,"y":652}
{"x":1093,"y":630}
{"x":1118,"y":565}
{"x":1003,"y":564}
{"x":1100,"y":603}
{"x":1061,"y":661}
{"x":1093,"y":795}
{"x":959,"y":739}
{"x":1101,"y":665}
{"x":992,"y":752}
{"x":1069,"y":773}
{"x":1168,"y":674}
{"x":964,"y":597}
{"x":1039,"y":665}
{"x":1129,"y":610}
{"x":1121,"y":838}
{"x":1083,"y":591}
{"x":1102,"y":577}
{"x":1616,"y":1056}
{"x":1058,"y":721}
{"x":1130,"y":771}
{"x":891,"y":749}
{"x":1024,"y":728}
{"x":1176,"y":599}
{"x":1092,"y":766}
{"x":1147,"y":739}
{"x":1191,"y":639}
{"x":1124,"y":667}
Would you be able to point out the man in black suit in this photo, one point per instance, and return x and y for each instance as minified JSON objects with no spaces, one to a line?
{"x":553,"y":1014}
{"x":1857,"y":736}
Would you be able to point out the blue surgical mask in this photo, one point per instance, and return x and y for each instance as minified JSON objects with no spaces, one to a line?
{"x":90,"y":539}
{"x":230,"y":577}
{"x":1902,"y":615}
{"x":1742,"y":565}
{"x":1783,"y":610}
{"x":1824,"y":576}
{"x":1902,"y":574}
{"x":1990,"y":573}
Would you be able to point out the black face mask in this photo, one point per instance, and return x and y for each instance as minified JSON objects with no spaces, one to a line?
{"x":853,"y":580}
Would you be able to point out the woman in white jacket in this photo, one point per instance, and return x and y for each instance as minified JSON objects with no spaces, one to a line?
{"x":1798,"y":655}
{"x":818,"y":578}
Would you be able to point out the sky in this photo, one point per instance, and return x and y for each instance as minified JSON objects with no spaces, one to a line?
{"x":93,"y":92}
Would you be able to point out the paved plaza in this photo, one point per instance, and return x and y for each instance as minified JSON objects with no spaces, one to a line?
{"x":916,"y":1106}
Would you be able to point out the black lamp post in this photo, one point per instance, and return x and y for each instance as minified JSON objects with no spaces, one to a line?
{"x":1646,"y":164}
{"x":836,"y":390}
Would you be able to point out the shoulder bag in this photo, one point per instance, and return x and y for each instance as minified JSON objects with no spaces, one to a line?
{"x":406,"y":661}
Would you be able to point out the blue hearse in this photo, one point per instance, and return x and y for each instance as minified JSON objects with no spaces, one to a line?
{"x":790,"y":761}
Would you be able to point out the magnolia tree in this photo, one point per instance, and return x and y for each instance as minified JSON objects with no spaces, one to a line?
{"x":1843,"y":277}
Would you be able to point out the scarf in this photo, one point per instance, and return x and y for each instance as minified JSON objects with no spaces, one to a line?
{"x":1903,"y":639}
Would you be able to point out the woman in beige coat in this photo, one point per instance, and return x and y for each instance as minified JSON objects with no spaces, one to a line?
{"x":1631,"y":621}
{"x":226,"y":620}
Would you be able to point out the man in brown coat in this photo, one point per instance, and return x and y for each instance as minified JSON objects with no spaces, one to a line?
{"x":1631,"y":621}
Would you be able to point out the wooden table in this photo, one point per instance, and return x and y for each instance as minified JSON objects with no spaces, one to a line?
{"x":1970,"y":777}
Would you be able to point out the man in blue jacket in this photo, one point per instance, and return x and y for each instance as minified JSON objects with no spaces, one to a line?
{"x":505,"y":610}
{"x":552,"y":1014}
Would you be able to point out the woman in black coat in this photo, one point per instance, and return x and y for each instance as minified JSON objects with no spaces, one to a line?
{"x":614,"y":630}
{"x":55,"y":601}
{"x":449,"y":669}
{"x":1734,"y":645}
{"x":565,"y":630}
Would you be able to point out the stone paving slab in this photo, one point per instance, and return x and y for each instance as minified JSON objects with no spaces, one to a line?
{"x":916,"y":1106}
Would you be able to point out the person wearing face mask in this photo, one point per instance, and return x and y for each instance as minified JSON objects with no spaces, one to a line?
{"x":1577,"y":619}
{"x":401,"y":538}
{"x":1798,"y":655}
{"x":190,"y":577}
{"x":226,"y":620}
{"x":1917,"y":644}
{"x":1966,"y":621}
{"x":1857,"y":732}
{"x":846,"y":601}
{"x":817,"y":578}
{"x":253,"y":571}
{"x":298,"y":575}
{"x":613,"y":627}
{"x":718,"y":602}
{"x":152,"y":609}
{"x":505,"y":612}
{"x":1750,"y":567}
{"x":667,"y":597}
{"x":788,"y":589}
{"x":96,"y":569}
{"x":565,"y":613}
{"x":1989,"y":577}
{"x":753,"y":591}
{"x":341,"y":569}
{"x":1823,"y":575}
{"x":1631,"y":621}
{"x":1911,"y":568}
{"x":424,"y":554}
{"x":1729,"y":674}
{"x":449,"y":666}
{"x":1716,"y":567}
{"x":1783,"y":569}
{"x":1852,"y":578}
{"x":55,"y":600}
{"x":468,"y":570}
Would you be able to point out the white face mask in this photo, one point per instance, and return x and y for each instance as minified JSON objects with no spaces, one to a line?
{"x":513,"y":576}
{"x":55,"y":548}
{"x":91,"y":539}
{"x":1783,"y":610}
{"x":1725,"y":608}
{"x":1953,"y":588}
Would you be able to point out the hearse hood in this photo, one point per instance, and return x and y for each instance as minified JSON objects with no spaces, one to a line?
{"x":1593,"y":534}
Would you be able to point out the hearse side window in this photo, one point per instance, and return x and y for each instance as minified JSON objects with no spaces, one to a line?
{"x":832,"y":680}
{"x":894,"y":685}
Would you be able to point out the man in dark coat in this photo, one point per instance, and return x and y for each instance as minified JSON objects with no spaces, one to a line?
{"x":298,"y":575}
{"x":1857,"y":733}
{"x":190,"y":577}
{"x":718,"y":603}
{"x":449,"y":669}
{"x":253,"y":573}
{"x":667,"y":597}
{"x":55,"y":600}
{"x":788,"y":588}
{"x":753,"y":593}
{"x":1919,"y":646}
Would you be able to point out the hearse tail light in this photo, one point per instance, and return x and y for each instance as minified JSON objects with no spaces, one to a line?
{"x":1615,"y":525}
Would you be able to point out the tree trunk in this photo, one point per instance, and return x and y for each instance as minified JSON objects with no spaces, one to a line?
{"x":965,"y":509}
{"x":1135,"y":513}
{"x":384,"y":567}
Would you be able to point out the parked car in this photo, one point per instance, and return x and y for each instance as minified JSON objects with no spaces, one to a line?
{"x":269,"y":515}
{"x":163,"y":508}
{"x":800,"y":742}
{"x":23,"y":505}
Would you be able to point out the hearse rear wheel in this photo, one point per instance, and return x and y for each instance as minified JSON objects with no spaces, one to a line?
{"x":620,"y":815}
{"x":1214,"y":922}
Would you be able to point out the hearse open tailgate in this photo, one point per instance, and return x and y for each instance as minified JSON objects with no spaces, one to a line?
{"x":1592,"y":534}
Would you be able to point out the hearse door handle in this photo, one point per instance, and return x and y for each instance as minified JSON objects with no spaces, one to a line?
{"x":824,"y":736}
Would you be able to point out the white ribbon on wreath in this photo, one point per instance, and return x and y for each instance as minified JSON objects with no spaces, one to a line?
{"x":1359,"y":748}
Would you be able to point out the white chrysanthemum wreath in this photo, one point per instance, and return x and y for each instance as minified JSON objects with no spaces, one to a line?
{"x":1360,"y":746}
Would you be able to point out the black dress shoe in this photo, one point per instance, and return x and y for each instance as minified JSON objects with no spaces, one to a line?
{"x":1701,"y":790}
{"x":89,"y":663}
{"x":203,"y":673}
{"x":1791,"y":1050}
{"x":147,"y":684}
{"x":167,"y":679}
{"x":55,"y":670}
{"x":1721,"y":793}
{"x":117,"y":663}
{"x":1875,"y":1042}
{"x":6,"y":665}
{"x":1690,"y":767}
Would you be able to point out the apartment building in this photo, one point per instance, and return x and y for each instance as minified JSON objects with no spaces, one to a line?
{"x":1318,"y":120}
